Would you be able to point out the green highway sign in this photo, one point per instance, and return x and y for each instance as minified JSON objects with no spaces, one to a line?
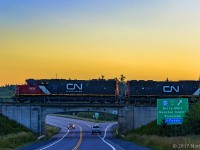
{"x":172,"y":110}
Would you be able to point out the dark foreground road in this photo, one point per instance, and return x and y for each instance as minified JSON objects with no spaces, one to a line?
{"x":81,"y":137}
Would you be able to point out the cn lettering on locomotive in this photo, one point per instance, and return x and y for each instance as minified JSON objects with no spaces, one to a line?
{"x":72,"y":86}
{"x":169,"y":89}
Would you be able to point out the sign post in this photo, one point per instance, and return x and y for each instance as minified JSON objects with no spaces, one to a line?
{"x":172,"y":110}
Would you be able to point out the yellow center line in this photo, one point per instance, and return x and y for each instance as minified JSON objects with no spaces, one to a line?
{"x":80,"y":140}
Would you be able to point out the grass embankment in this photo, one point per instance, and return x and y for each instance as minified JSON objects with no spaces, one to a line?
{"x":165,"y":143}
{"x":51,"y":131}
{"x":12,"y":134}
{"x":13,"y":140}
{"x":90,"y":116}
{"x":149,"y":136}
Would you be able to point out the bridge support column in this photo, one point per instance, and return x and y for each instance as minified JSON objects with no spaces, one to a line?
{"x":34,"y":118}
{"x":39,"y":120}
{"x":144,"y":115}
{"x":132,"y":117}
{"x":125,"y":119}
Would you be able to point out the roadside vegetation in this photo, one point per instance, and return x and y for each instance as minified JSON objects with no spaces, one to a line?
{"x":51,"y":131}
{"x":100,"y":117}
{"x":79,"y":118}
{"x":10,"y":126}
{"x":169,"y":137}
{"x":90,"y":116}
{"x":12,"y":134}
{"x":6,"y":93}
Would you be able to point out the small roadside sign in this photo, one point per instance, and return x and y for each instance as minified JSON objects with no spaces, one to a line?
{"x":172,"y":110}
{"x":96,"y":115}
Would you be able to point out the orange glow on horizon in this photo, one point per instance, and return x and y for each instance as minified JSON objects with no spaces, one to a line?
{"x":145,"y":43}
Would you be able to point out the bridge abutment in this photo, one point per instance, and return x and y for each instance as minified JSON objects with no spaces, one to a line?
{"x":132,"y":117}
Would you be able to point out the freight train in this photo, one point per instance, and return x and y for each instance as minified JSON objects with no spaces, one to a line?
{"x":148,"y":91}
{"x":105,"y":91}
{"x":62,"y":90}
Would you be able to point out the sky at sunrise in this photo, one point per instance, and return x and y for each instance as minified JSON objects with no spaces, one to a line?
{"x":84,"y":39}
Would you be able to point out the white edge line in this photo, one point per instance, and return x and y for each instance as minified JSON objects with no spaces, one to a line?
{"x":105,"y":136}
{"x":62,"y":137}
{"x":108,"y":144}
{"x":56,"y":141}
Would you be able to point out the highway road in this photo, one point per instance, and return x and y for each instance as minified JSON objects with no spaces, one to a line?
{"x":81,"y":137}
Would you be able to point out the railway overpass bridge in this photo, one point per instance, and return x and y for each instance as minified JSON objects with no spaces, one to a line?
{"x":32,"y":115}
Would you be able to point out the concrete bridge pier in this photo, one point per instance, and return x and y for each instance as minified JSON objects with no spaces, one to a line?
{"x":125,"y":119}
{"x":132,"y":117}
{"x":30,"y":116}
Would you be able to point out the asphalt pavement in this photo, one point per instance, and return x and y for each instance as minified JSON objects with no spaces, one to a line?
{"x":81,"y":137}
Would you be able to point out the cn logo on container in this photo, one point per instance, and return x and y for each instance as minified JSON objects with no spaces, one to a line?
{"x":169,"y":89}
{"x":72,"y":86}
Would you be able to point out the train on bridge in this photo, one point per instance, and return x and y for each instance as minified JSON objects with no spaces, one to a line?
{"x":105,"y":91}
{"x":62,"y":90}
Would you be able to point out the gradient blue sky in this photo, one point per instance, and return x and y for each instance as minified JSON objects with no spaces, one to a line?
{"x":141,"y":39}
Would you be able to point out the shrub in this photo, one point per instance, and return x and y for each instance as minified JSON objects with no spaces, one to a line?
{"x":16,"y":139}
{"x":10,"y":126}
{"x":192,"y":120}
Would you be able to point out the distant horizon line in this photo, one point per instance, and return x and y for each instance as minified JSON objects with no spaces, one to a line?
{"x":10,"y":84}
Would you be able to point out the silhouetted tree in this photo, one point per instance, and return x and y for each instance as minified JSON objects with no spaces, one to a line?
{"x":122,"y":78}
{"x":102,"y":76}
